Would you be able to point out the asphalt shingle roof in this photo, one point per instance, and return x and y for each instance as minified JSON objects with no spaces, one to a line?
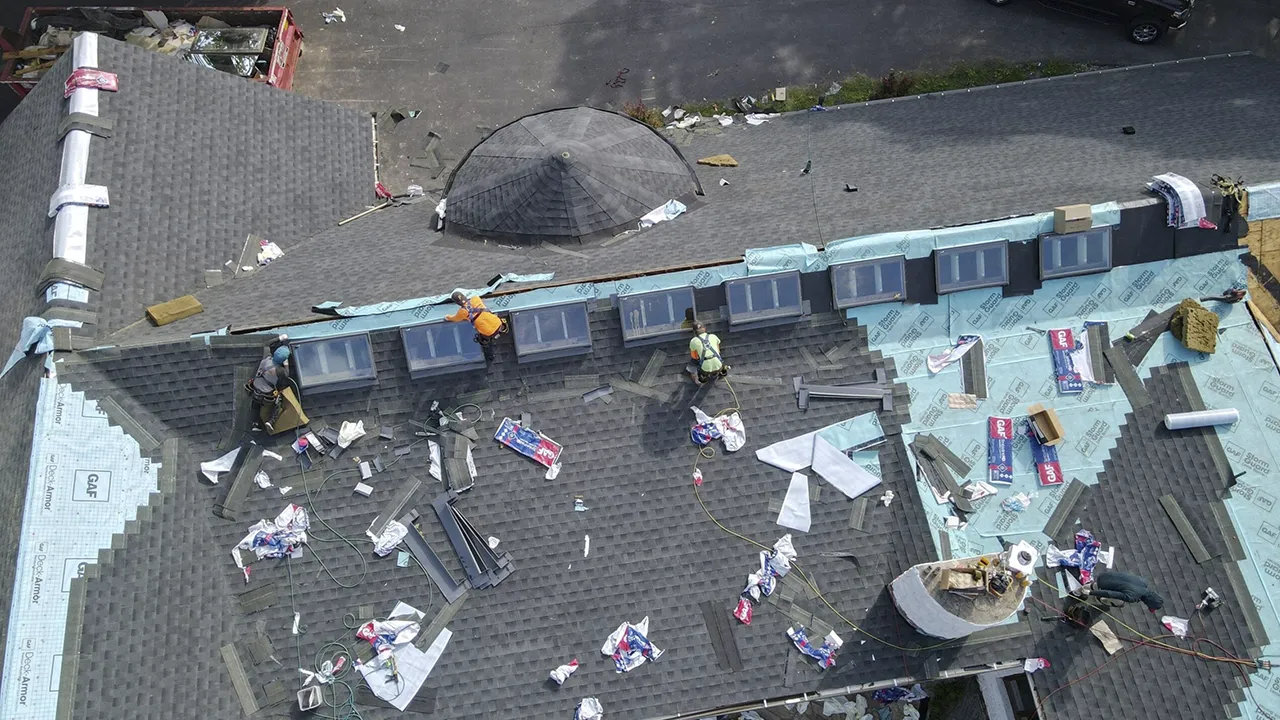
{"x":33,"y":156}
{"x":958,"y":158}
{"x":565,"y":175}
{"x":653,"y":551}
{"x":200,"y":159}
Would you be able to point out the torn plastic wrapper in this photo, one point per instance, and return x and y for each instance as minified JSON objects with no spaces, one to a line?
{"x":629,"y":646}
{"x":773,"y":564}
{"x":279,"y":537}
{"x":389,"y":539}
{"x":1031,"y":665}
{"x":1084,"y":556}
{"x":262,"y":480}
{"x":562,"y":673}
{"x":825,"y":654}
{"x":1178,"y":626}
{"x":963,"y":345}
{"x":36,"y":338}
{"x":588,"y":709}
{"x":727,"y":428}
{"x":349,"y":433}
{"x":894,"y":694}
{"x":92,"y":79}
{"x":667,"y":211}
{"x":385,"y":635}
{"x":212,"y":469}
{"x":743,"y":611}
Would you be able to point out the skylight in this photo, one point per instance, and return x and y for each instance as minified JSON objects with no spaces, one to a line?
{"x":654,"y":315}
{"x":330,"y":364}
{"x":1076,"y":253}
{"x":764,"y":297}
{"x":555,"y":331}
{"x":972,"y":266}
{"x":870,"y":281}
{"x":442,"y":347}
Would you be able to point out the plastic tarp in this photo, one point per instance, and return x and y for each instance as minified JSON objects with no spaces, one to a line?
{"x":843,"y":473}
{"x":797,"y":453}
{"x":795,"y":506}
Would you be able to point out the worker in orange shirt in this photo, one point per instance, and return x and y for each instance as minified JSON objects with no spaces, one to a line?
{"x":489,"y":327}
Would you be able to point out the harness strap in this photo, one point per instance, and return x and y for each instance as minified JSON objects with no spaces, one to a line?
{"x":705,"y":342}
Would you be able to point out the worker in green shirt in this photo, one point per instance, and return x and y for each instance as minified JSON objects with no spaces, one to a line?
{"x":704,"y":348}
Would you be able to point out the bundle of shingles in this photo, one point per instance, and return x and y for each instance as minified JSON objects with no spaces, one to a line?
{"x":937,"y":463}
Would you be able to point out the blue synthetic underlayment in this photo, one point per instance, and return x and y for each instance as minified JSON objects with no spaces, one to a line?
{"x":86,"y":479}
{"x":1242,"y":375}
{"x":1020,"y":372}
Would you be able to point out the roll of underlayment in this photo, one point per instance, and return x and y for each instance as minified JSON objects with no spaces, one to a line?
{"x":1201,"y":418}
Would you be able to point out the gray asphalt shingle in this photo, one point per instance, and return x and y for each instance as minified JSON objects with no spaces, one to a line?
{"x":959,"y":158}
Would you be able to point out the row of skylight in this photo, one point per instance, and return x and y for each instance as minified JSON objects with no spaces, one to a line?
{"x":340,"y":363}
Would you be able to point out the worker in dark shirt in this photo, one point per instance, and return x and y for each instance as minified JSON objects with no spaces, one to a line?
{"x":1123,"y":587}
{"x":268,"y":383}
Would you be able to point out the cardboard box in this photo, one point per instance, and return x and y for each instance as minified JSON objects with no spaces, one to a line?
{"x":1072,"y":218}
{"x":1046,"y":425}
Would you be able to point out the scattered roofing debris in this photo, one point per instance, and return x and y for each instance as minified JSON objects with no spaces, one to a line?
{"x":654,"y":529}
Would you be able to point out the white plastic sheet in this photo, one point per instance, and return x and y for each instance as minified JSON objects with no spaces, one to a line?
{"x":795,"y":507}
{"x":391,"y":536}
{"x":667,"y":211}
{"x":836,"y":468}
{"x":350,"y":432}
{"x":214,"y":468}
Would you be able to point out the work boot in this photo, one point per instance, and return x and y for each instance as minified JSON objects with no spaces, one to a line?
{"x":271,"y":429}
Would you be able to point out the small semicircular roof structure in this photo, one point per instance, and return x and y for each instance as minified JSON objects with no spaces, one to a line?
{"x":566,"y":174}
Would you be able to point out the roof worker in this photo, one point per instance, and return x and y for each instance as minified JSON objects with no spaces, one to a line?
{"x":1123,"y":587}
{"x":489,"y":327}
{"x":269,"y":381}
{"x":704,"y":348}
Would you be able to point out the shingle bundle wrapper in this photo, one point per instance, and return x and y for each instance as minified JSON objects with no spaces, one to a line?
{"x":629,"y":647}
{"x":1195,"y":326}
{"x":279,"y":537}
{"x":1184,"y":201}
{"x":774,"y":564}
{"x":1084,"y":556}
{"x":825,"y":653}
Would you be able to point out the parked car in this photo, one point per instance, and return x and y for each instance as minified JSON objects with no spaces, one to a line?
{"x":1147,"y":20}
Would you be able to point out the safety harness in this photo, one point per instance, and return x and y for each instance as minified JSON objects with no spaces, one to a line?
{"x":705,"y":342}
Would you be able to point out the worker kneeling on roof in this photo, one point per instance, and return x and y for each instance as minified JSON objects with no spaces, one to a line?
{"x":270,"y":380}
{"x":1123,"y":587}
{"x":489,"y":327}
{"x":704,"y":348}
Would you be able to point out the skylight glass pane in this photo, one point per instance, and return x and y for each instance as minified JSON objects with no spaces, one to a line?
{"x":436,"y":346}
{"x":655,"y":314}
{"x":869,"y":281}
{"x":334,"y":363}
{"x":552,"y":331}
{"x":1075,"y":253}
{"x":972,"y":266}
{"x":764,"y":297}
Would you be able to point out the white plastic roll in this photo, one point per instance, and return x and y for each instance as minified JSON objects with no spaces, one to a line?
{"x":1201,"y":418}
